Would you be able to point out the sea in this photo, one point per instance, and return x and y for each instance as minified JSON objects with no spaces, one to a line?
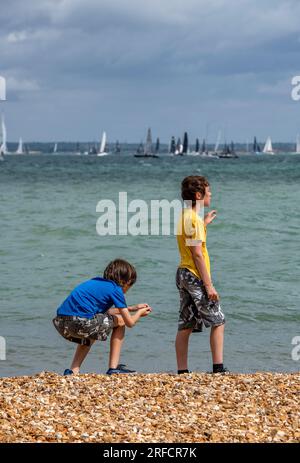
{"x":49,"y":244}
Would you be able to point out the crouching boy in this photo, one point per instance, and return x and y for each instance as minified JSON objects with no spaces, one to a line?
{"x":87,"y":314}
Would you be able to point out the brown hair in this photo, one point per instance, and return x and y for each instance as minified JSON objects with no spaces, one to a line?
{"x":121,"y":272}
{"x":192,"y":185}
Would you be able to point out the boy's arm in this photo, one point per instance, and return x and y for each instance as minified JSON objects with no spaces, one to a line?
{"x":201,"y":267}
{"x":130,"y":320}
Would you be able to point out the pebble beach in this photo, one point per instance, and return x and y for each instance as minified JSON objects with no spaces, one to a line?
{"x":151,"y":408}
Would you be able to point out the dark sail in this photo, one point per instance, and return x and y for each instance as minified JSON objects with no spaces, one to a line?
{"x":173,"y":145}
{"x":118,"y":147}
{"x":203,"y":149}
{"x":254,"y":145}
{"x":157,"y":145}
{"x":185,"y":143}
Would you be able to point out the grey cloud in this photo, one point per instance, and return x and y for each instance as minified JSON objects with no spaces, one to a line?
{"x":172,"y":54}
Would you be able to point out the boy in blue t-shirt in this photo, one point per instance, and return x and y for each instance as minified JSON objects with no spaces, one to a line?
{"x":86,"y":315}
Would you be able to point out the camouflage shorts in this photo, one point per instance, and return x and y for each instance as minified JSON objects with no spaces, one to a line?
{"x":83,"y":330}
{"x":196,"y":309}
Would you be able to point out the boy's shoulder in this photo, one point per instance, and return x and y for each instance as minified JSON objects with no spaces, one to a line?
{"x":100,"y":281}
{"x":190,"y":215}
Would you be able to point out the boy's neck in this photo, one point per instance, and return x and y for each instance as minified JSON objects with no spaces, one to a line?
{"x":197,"y":208}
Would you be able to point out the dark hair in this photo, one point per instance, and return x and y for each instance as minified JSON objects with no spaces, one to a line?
{"x":121,"y":272}
{"x":192,"y":185}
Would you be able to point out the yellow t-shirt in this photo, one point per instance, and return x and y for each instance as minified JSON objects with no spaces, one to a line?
{"x":191,"y":229}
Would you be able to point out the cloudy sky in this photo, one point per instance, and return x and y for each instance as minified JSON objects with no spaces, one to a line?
{"x":77,"y":67}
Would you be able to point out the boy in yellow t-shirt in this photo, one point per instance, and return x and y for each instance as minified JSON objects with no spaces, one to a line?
{"x":199,"y":301}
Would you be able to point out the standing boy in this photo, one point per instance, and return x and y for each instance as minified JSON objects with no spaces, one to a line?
{"x":199,"y":300}
{"x":86,"y":315}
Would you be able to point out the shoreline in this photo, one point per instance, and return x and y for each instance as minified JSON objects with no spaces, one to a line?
{"x":151,"y":408}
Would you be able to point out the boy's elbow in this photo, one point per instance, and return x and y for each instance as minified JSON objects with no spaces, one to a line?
{"x":197,"y":255}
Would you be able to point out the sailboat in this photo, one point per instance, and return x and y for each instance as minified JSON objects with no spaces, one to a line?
{"x":172,"y":148}
{"x":148,"y":148}
{"x":268,"y":149}
{"x":256,"y":147}
{"x":179,"y":147}
{"x":157,"y":146}
{"x":102,"y":150}
{"x":55,"y":148}
{"x":228,"y":152}
{"x":298,"y":145}
{"x":20,"y":147}
{"x":185,"y":147}
{"x":3,"y":147}
{"x":216,"y":149}
{"x":117,"y":147}
{"x":203,"y":148}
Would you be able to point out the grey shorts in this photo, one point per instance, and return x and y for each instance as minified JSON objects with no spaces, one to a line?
{"x":196,"y":309}
{"x":83,"y":330}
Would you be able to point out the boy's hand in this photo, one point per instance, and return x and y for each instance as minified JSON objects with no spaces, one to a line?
{"x":134,"y":308}
{"x":145,"y":310}
{"x":210,"y":216}
{"x":212,"y":293}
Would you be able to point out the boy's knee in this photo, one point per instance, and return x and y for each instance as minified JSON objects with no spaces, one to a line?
{"x":118,"y":322}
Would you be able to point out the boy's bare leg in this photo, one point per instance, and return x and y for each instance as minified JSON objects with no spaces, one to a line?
{"x":116,"y":341}
{"x":80,"y":354}
{"x":217,"y":343}
{"x":182,"y":347}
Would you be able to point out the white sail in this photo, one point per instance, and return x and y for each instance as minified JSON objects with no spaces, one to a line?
{"x":218,"y":141}
{"x":103,"y":143}
{"x":20,"y":147}
{"x":55,"y":148}
{"x":3,"y":148}
{"x":298,"y":145}
{"x":2,"y":88}
{"x":102,"y":146}
{"x":268,"y":149}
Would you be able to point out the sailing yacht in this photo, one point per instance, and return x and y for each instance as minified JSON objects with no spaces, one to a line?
{"x":148,"y":148}
{"x":256,"y":147}
{"x":179,"y":147}
{"x":20,"y":147}
{"x":55,"y":149}
{"x":268,"y":149}
{"x":3,"y":147}
{"x":216,"y":149}
{"x":228,"y":152}
{"x":172,"y":148}
{"x":117,"y":147}
{"x":102,"y":151}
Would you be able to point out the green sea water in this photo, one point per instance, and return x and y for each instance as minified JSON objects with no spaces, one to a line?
{"x":49,"y":244}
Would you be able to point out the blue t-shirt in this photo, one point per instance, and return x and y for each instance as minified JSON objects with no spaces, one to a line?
{"x":92,"y":297}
